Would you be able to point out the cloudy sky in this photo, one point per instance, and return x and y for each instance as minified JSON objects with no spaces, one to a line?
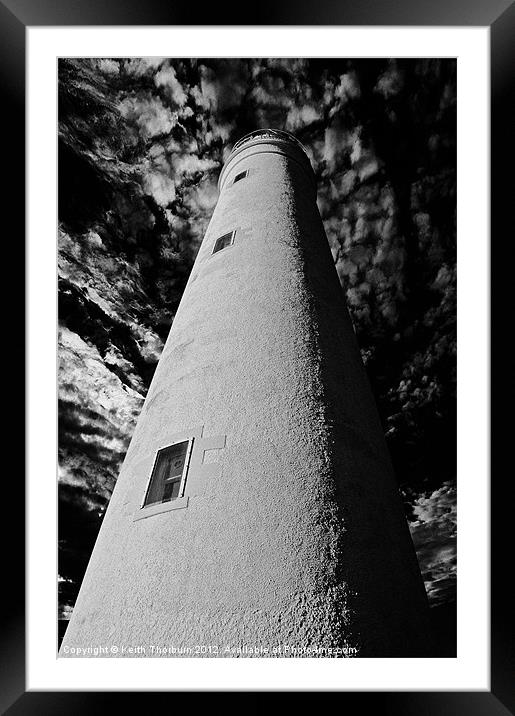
{"x":141,"y":144}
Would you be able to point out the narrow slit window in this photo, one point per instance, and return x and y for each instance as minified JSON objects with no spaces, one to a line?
{"x":240,"y":176}
{"x":223,"y":241}
{"x":168,"y":478}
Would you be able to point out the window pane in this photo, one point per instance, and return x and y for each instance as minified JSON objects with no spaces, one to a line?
{"x":222,"y":242}
{"x":166,"y":475}
{"x":171,"y":490}
{"x":239,"y":176}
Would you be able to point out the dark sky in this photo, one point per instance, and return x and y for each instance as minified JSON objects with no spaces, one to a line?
{"x":141,"y":144}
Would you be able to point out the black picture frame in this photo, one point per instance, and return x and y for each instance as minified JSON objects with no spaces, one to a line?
{"x":499,"y":15}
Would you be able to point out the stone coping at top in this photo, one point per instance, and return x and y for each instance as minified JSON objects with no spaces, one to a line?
{"x":268,"y":134}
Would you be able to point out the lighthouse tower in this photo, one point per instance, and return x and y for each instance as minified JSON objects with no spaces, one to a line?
{"x":256,"y":507}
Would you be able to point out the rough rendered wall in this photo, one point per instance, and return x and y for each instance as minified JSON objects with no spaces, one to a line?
{"x":291,"y":530}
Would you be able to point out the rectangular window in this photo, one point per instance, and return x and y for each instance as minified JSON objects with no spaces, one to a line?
{"x":224,"y":241}
{"x":168,"y":478}
{"x":240,"y":176}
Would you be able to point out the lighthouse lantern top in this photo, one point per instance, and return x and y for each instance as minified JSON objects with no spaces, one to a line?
{"x":266,"y":134}
{"x":275,"y":140}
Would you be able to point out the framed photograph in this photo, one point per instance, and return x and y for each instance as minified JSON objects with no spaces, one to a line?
{"x":302,"y":472}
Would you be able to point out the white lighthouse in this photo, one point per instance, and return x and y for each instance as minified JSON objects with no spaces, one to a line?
{"x":256,"y":507}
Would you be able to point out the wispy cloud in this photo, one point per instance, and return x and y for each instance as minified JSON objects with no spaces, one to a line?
{"x":434,"y":535}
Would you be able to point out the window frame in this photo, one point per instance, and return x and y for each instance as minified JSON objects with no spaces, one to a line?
{"x":242,"y":175}
{"x":184,"y":474}
{"x":217,"y":251}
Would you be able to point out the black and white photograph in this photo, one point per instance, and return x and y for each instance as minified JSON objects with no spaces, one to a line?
{"x":260,"y":259}
{"x":257,"y":357}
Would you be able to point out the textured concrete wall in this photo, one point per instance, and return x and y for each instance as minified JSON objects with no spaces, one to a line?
{"x":291,"y":530}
